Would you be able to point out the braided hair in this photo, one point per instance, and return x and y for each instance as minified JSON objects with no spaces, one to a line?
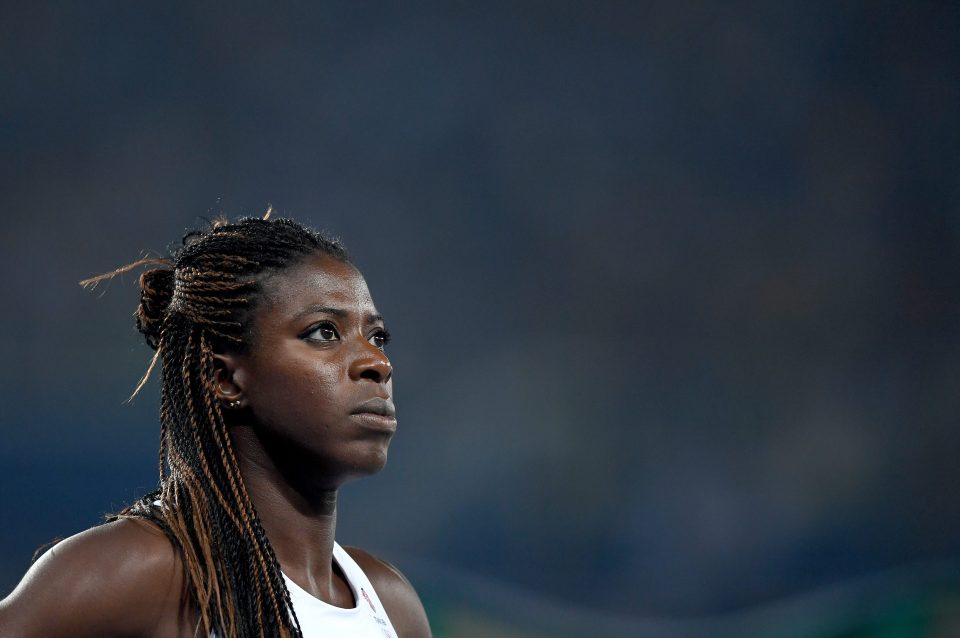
{"x":198,"y":302}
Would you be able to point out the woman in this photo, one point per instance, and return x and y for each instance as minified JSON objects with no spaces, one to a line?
{"x":275,"y":391}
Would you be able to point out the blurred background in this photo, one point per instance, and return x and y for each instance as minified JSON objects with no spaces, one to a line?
{"x":673,"y":289}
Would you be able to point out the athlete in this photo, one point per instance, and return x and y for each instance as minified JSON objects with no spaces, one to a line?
{"x":275,"y":391}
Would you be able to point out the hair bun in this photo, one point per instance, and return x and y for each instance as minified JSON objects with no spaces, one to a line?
{"x":156,"y":291}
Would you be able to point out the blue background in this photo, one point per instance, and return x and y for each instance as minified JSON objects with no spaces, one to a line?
{"x":673,"y":288}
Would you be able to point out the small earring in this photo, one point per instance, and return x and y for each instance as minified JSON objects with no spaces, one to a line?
{"x":233,"y":405}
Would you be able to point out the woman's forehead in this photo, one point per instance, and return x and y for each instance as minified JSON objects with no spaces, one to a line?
{"x":317,"y":280}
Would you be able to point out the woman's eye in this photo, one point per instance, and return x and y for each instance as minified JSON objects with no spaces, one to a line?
{"x":324,"y":332}
{"x":380,"y":338}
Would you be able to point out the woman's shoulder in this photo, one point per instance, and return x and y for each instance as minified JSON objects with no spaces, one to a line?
{"x":398,"y":596}
{"x":120,"y":578}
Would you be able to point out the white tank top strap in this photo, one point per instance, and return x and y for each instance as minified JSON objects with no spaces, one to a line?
{"x":367,"y":619}
{"x":355,"y":576}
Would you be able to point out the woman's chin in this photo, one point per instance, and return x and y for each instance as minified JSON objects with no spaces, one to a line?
{"x":368,"y":461}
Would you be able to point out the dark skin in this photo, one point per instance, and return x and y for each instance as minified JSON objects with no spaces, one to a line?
{"x":315,"y":411}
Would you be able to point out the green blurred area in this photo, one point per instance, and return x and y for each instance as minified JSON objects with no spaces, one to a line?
{"x":911,"y":603}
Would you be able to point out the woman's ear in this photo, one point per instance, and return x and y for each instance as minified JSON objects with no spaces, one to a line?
{"x":225,"y":385}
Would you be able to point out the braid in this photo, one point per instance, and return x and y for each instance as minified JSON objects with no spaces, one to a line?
{"x":200,"y":301}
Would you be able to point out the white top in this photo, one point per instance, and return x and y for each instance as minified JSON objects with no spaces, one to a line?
{"x":322,"y":620}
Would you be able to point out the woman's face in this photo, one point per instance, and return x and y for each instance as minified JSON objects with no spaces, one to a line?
{"x":315,"y":376}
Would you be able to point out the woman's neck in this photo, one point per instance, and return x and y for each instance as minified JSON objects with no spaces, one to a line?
{"x":298,"y":513}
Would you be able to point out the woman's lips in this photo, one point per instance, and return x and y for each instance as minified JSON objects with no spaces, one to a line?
{"x":377,"y":414}
{"x":376,"y":405}
{"x":377,"y":422}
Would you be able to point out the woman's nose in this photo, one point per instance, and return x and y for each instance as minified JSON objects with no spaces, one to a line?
{"x":371,"y":363}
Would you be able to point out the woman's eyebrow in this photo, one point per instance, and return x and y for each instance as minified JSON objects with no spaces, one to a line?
{"x":321,"y":310}
{"x":369,"y":318}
